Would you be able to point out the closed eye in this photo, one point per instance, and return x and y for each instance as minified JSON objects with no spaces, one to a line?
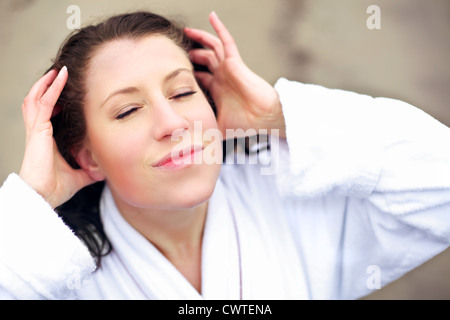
{"x":183,"y":95}
{"x":125,"y":114}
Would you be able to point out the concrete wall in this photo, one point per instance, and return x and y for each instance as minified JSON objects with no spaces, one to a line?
{"x":325,"y":42}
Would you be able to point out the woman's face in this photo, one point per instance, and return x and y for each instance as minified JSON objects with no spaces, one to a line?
{"x":141,"y":95}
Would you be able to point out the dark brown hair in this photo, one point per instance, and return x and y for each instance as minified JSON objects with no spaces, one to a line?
{"x":81,"y":213}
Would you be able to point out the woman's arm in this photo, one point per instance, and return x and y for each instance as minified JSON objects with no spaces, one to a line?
{"x":378,"y":172}
{"x":39,"y":255}
{"x":339,"y":142}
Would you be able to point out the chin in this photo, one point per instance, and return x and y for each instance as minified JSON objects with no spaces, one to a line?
{"x":194,"y":196}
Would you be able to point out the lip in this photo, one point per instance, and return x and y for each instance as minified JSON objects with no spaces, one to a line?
{"x":178,"y":159}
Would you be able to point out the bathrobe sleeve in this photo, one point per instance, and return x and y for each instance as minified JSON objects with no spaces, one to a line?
{"x":40,"y":257}
{"x":389,"y":162}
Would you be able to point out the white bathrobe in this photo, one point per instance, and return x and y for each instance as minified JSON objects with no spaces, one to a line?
{"x":361,"y":195}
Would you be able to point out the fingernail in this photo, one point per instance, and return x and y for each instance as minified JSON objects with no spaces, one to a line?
{"x":62,"y":71}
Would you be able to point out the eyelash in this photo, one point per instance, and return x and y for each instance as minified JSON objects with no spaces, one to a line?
{"x":176,"y":98}
{"x":183,"y":95}
{"x":126,"y":113}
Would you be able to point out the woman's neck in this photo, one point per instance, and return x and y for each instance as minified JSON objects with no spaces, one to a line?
{"x":177,"y":234}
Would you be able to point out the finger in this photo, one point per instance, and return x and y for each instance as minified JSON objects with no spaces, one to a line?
{"x":205,"y":79}
{"x":50,"y":97}
{"x":229,"y":45}
{"x":41,"y":86}
{"x":29,"y":106}
{"x":205,"y":58}
{"x":208,"y":40}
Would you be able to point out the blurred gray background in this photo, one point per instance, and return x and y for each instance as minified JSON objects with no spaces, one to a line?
{"x":325,"y":42}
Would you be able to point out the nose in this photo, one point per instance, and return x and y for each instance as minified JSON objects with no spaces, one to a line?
{"x":167,"y":121}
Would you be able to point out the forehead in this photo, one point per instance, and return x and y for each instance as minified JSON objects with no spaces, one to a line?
{"x":127,"y":60}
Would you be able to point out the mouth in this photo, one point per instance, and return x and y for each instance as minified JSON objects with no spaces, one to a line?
{"x":182,"y":158}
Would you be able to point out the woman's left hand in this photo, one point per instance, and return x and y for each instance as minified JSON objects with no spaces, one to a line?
{"x":243,"y":99}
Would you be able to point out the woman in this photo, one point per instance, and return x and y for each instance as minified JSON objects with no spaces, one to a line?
{"x":121,"y":113}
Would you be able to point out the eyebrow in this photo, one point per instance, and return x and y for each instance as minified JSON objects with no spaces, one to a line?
{"x":177,"y":72}
{"x":130,"y":90}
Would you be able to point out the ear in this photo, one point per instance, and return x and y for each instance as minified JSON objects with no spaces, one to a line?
{"x":87,"y":163}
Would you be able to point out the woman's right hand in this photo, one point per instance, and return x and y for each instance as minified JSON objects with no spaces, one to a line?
{"x":43,"y":167}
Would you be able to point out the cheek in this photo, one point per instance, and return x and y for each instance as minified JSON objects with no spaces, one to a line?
{"x":124,"y":162}
{"x":202,"y":115}
{"x":119,"y":153}
{"x":205,"y":130}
